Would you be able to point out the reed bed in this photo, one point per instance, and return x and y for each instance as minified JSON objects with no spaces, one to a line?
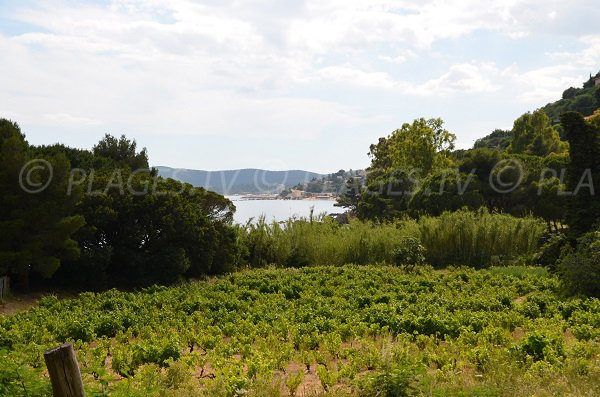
{"x":477,"y":239}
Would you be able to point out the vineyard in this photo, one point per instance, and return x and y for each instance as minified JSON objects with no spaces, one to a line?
{"x":318,"y":331}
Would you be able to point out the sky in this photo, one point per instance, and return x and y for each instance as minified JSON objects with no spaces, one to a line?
{"x":282,"y":84}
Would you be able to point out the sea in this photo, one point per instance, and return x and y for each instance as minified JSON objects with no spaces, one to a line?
{"x":280,"y":210}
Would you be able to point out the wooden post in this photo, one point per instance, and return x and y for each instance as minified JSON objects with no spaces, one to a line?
{"x":64,"y":371}
{"x":4,"y":287}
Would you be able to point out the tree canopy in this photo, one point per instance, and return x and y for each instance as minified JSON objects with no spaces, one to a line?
{"x":583,"y":172}
{"x":420,"y":146}
{"x":534,"y":135}
{"x":101,"y":218}
{"x":37,"y":218}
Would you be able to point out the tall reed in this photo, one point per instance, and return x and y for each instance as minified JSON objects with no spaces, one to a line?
{"x":478,"y":238}
{"x":458,"y":238}
{"x":322,"y":241}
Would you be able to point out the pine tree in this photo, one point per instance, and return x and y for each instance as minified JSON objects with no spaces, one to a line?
{"x":35,"y":226}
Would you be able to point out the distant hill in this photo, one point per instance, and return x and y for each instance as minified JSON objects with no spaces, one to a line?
{"x":239,"y":181}
{"x":584,"y":100}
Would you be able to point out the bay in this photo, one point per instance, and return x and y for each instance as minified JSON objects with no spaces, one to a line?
{"x":280,"y":210}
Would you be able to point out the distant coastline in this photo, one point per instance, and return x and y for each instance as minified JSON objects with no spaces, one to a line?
{"x":267,"y":196}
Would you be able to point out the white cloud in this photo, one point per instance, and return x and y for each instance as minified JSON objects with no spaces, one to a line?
{"x":356,"y":77}
{"x":399,"y":57}
{"x":545,"y":84}
{"x":65,"y":118}
{"x":465,"y":78}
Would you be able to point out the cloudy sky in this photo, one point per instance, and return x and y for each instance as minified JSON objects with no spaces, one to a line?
{"x":283,"y":84}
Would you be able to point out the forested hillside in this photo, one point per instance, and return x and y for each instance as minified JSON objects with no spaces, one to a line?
{"x":584,"y":100}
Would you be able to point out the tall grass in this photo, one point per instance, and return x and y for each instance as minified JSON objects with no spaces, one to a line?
{"x":479,"y":238}
{"x":323,"y":241}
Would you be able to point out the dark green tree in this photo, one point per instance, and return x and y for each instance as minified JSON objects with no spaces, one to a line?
{"x":387,"y":196}
{"x":498,"y":139}
{"x":583,"y":173}
{"x":548,"y":201}
{"x":143,"y":229}
{"x":571,"y":92}
{"x":579,"y":268}
{"x":447,"y":190}
{"x":36,"y":209}
{"x":584,"y":104}
{"x":122,"y":151}
{"x":351,"y":194}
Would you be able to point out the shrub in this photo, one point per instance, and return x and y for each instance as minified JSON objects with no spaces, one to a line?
{"x":409,"y":252}
{"x":390,"y":382}
{"x":549,"y":253}
{"x":540,"y":347}
{"x":580,"y":269}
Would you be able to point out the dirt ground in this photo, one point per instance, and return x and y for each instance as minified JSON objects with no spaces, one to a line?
{"x":19,"y":303}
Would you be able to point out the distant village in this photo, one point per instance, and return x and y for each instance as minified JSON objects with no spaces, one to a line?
{"x":292,"y":194}
{"x":328,"y":187}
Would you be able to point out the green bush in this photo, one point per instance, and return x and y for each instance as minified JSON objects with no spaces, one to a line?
{"x":409,"y":252}
{"x":540,"y":347}
{"x":580,"y":268}
{"x":549,"y":253}
{"x":390,"y":382}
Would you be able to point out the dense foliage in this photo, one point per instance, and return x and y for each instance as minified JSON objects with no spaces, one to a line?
{"x":521,"y":171}
{"x":336,"y":331}
{"x":580,"y":268}
{"x":322,"y":241}
{"x":498,"y":139}
{"x":515,"y":184}
{"x":105,"y":218}
{"x":583,"y":178}
{"x":398,"y":162}
{"x":36,"y":228}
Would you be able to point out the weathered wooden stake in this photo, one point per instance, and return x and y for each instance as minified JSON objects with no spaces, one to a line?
{"x":64,"y":371}
{"x":4,"y":287}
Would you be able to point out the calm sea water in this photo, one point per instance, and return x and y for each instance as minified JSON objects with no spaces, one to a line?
{"x":280,"y":210}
